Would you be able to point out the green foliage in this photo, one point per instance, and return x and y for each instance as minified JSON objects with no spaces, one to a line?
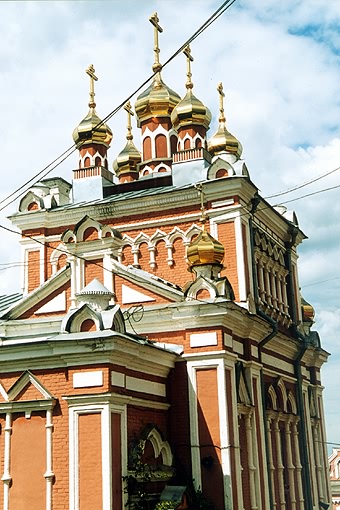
{"x":166,"y":505}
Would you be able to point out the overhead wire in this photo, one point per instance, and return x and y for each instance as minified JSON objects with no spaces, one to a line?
{"x":49,"y":168}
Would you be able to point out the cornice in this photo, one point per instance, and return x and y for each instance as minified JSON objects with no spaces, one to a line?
{"x":91,"y":348}
{"x":36,"y":296}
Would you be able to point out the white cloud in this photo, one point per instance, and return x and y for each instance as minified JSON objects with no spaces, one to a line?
{"x":281,"y":75}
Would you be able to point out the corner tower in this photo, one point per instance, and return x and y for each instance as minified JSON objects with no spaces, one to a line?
{"x":92,"y":137}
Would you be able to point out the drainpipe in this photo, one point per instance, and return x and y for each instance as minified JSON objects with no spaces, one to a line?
{"x":255,"y":202}
{"x":262,"y":343}
{"x":307,"y":487}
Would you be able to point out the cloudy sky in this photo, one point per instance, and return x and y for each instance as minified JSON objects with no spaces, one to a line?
{"x":279,"y":63}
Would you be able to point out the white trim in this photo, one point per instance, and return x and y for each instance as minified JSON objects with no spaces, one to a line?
{"x":143,"y":386}
{"x":240,"y":257}
{"x":6,"y":477}
{"x":105,"y":410}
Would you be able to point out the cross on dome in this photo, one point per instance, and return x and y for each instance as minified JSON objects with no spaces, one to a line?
{"x":91,"y":72}
{"x":190,"y":58}
{"x":222,"y":96}
{"x":157,"y":66}
{"x":129,"y":111}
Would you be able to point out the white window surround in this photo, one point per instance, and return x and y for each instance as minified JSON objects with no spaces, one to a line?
{"x":104,"y":409}
{"x":221,"y":365}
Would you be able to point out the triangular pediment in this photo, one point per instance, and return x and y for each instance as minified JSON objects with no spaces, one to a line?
{"x":50,"y":295}
{"x":134,"y":285}
{"x":28,"y":387}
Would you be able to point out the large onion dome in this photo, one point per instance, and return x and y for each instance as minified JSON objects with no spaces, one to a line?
{"x":158,"y":100}
{"x":91,"y":129}
{"x":223,"y":140}
{"x":205,"y":249}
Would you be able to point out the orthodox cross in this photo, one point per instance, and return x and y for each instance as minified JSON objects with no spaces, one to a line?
{"x":222,"y":95}
{"x":204,"y":215}
{"x":90,"y":71}
{"x":157,"y":66}
{"x":190,"y":58}
{"x":127,"y":108}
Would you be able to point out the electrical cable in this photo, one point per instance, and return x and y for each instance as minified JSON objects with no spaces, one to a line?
{"x":72,"y":148}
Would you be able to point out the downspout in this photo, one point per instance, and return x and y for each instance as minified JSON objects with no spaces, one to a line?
{"x":255,"y":202}
{"x":307,"y":487}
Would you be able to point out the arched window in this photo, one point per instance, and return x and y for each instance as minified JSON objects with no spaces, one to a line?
{"x":147,"y":148}
{"x":161,"y":146}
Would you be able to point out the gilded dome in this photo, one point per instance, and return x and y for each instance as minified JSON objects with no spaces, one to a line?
{"x":190,"y":110}
{"x":308,"y":312}
{"x":158,"y":100}
{"x":223,"y":140}
{"x":205,"y":249}
{"x":92,"y":130}
{"x":127,"y":160}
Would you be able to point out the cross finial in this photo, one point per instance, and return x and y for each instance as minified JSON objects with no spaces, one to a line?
{"x":222,"y":95}
{"x":204,"y":216}
{"x":190,"y":58}
{"x":127,"y":108}
{"x":90,"y":71}
{"x":157,"y":66}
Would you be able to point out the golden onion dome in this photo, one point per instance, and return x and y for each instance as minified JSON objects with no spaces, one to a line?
{"x":223,"y":140}
{"x":308,"y":312}
{"x":158,"y":100}
{"x":205,"y":249}
{"x":128,"y":159}
{"x":91,"y":129}
{"x":190,"y":110}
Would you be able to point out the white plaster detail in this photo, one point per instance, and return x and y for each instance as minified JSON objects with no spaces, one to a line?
{"x":203,"y":339}
{"x":151,"y":387}
{"x":227,"y":340}
{"x":118,"y":379}
{"x":57,"y":304}
{"x":87,"y":379}
{"x":134,"y":296}
{"x":238,"y":347}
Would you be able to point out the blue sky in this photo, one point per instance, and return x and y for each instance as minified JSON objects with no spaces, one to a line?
{"x":279,"y":63}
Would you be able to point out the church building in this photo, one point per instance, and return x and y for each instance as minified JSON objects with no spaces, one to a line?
{"x":160,"y":350}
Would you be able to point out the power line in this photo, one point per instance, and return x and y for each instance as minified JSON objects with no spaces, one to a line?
{"x":311,"y":181}
{"x":46,"y":170}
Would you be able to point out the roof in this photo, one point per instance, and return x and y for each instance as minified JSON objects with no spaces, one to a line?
{"x":8,"y":300}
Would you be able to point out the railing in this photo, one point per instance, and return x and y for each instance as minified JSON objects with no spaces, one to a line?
{"x":93,"y":171}
{"x":191,"y":154}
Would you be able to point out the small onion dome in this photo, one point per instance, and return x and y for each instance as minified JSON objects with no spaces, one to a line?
{"x":223,"y":141}
{"x":190,"y":110}
{"x":308,"y":312}
{"x":127,"y":160}
{"x":205,"y":250}
{"x":87,"y":132}
{"x":157,"y":100}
